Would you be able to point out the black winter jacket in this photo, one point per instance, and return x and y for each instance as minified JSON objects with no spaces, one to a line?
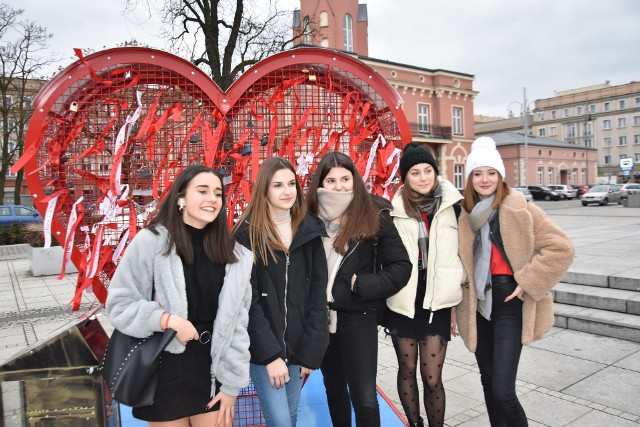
{"x":288,"y":315}
{"x":392,"y":272}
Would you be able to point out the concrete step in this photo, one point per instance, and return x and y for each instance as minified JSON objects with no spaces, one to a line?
{"x":621,"y":301}
{"x":602,"y":281}
{"x":601,"y":322}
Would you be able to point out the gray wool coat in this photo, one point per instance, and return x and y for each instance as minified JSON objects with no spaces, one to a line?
{"x":131,"y":311}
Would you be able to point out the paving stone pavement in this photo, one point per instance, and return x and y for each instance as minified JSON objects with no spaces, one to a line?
{"x":569,"y":378}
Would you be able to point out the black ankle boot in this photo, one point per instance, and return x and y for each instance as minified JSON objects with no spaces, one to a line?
{"x":420,"y":423}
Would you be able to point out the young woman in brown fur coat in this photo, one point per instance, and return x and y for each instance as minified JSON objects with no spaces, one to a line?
{"x":513,"y":255}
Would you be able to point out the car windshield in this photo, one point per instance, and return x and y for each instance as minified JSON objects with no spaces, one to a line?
{"x":599,"y":189}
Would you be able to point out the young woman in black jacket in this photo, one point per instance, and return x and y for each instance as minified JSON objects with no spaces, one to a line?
{"x":288,"y":316}
{"x":360,"y":231}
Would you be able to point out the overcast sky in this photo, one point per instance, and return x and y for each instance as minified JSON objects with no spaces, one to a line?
{"x":543,"y":45}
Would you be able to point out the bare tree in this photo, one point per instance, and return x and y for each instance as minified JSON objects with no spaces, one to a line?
{"x":224,"y":37}
{"x":20,"y":63}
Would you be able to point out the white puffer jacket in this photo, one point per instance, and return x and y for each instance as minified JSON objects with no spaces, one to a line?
{"x":445,"y":272}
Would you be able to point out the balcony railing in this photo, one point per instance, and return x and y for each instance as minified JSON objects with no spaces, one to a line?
{"x":430,"y":131}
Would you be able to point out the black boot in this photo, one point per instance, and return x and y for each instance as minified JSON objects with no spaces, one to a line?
{"x":420,"y":423}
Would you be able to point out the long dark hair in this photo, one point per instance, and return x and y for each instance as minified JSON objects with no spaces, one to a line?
{"x":263,"y":234}
{"x":360,"y":220}
{"x":218,"y":243}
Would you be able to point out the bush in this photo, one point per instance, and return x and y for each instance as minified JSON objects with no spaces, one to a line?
{"x":33,"y":234}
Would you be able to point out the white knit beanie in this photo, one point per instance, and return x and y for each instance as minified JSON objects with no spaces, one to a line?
{"x":484,"y":153}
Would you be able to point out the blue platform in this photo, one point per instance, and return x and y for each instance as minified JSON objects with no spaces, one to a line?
{"x":313,"y":409}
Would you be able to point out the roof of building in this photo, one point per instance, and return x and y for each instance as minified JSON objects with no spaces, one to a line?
{"x":517,"y":138}
{"x":414,"y":67}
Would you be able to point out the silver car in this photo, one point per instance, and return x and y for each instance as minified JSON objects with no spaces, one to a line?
{"x":566,"y":190}
{"x":526,"y":192}
{"x":602,"y":195}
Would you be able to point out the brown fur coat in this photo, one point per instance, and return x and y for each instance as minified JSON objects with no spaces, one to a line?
{"x":540,"y":254}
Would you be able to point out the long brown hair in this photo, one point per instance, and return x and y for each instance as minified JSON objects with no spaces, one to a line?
{"x":263,"y":233}
{"x":360,"y":219}
{"x":410,"y":198}
{"x":471,"y":196}
{"x":218,"y":242}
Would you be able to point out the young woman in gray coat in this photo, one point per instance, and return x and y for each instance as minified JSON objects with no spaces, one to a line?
{"x":201,"y":279}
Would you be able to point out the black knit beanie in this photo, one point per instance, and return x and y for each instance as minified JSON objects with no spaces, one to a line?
{"x":415,"y":154}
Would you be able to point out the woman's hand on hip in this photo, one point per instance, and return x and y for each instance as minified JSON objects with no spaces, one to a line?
{"x":278,"y":373}
{"x":454,"y":323}
{"x":518,"y":292}
{"x":305,"y":371}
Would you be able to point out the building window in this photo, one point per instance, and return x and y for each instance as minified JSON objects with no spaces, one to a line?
{"x":457,"y":120}
{"x":553,"y":131}
{"x":27,"y":102}
{"x":583,"y":176}
{"x":622,"y":104}
{"x":607,"y":106}
{"x":539,"y":174}
{"x":588,"y":129}
{"x":622,"y":122}
{"x":588,"y":143}
{"x":565,"y":112}
{"x":553,"y":115}
{"x":574,"y":176}
{"x":606,"y":124}
{"x":423,"y":118}
{"x":636,"y":120}
{"x":347,"y":30}
{"x":606,"y":142}
{"x":636,"y":158}
{"x":570,"y":131}
{"x":541,"y":116}
{"x":541,"y":131}
{"x":607,"y":159}
{"x":622,"y":140}
{"x":458,"y":174}
{"x":307,"y":31}
{"x":636,"y":139}
{"x":592,"y":108}
{"x":550,"y":176}
{"x":324,"y":19}
{"x":9,"y":100}
{"x":578,"y":111}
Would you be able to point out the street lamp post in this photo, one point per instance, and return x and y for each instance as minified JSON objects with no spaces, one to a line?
{"x":525,"y":125}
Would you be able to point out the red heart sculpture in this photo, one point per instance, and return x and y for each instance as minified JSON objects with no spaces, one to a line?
{"x":110,"y":132}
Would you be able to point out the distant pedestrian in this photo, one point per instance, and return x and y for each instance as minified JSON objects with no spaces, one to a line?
{"x":367,"y":263}
{"x":513,"y":255}
{"x":288,"y":317}
{"x":201,"y":279}
{"x":419,"y":316}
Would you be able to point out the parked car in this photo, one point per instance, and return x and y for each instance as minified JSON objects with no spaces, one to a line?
{"x":526,"y":192}
{"x":10,"y":214}
{"x":628,"y":188}
{"x":543,"y":193}
{"x":602,"y":194}
{"x":568,"y":191}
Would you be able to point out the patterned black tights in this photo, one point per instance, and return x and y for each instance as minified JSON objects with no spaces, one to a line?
{"x":432,"y":352}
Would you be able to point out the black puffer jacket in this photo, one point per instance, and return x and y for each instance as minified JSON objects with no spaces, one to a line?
{"x":392,"y":272}
{"x":297,"y":331}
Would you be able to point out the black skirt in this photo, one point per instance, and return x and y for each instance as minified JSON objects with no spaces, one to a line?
{"x":184,"y":385}
{"x":419,"y":327}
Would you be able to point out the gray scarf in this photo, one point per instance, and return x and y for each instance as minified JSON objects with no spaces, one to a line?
{"x":479,"y":220}
{"x":430,"y":205}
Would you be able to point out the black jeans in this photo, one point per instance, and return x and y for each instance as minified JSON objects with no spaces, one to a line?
{"x":351,"y":360}
{"x":498,"y":355}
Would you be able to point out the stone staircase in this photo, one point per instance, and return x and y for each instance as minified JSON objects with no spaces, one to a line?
{"x":603,"y":305}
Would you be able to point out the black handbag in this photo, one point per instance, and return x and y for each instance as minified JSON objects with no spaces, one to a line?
{"x":130,"y":366}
